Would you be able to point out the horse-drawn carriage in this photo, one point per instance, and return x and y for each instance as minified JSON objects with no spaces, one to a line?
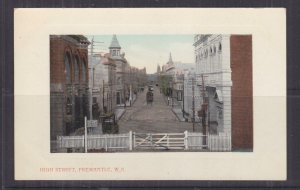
{"x":149,"y":97}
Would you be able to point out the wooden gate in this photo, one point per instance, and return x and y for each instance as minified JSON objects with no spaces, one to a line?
{"x":159,"y":141}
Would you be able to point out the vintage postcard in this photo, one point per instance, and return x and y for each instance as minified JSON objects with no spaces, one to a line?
{"x":142,"y":94}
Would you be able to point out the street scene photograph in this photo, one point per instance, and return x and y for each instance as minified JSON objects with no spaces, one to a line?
{"x":151,"y":93}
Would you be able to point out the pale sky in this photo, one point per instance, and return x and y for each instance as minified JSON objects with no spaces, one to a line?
{"x":150,"y":50}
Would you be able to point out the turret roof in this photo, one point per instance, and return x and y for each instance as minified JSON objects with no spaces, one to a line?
{"x":114,"y":43}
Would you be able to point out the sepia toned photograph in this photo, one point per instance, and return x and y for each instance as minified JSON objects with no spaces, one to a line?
{"x":151,"y":93}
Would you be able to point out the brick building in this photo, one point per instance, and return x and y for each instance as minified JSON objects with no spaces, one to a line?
{"x":224,"y":66}
{"x":68,"y":83}
{"x":241,"y":92}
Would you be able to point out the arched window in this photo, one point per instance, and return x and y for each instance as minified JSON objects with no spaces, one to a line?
{"x":83,"y":71}
{"x":67,"y":68}
{"x":220,"y":47}
{"x":76,"y":70}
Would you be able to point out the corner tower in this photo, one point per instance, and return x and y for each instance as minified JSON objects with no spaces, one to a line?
{"x":114,"y":48}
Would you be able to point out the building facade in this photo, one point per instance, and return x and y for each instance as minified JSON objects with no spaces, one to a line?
{"x":189,"y":104}
{"x":129,"y":79}
{"x":174,"y":74}
{"x":68,"y":83}
{"x":104,"y":88}
{"x":122,"y":69}
{"x":178,"y":79}
{"x":221,"y":65}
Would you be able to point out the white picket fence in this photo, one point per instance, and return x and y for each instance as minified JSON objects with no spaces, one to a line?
{"x":220,"y":142}
{"x":196,"y":141}
{"x":109,"y":142}
{"x":156,"y":141}
{"x":105,"y":142}
{"x":70,"y":141}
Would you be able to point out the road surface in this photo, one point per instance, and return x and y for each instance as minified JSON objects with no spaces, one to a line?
{"x":155,"y":118}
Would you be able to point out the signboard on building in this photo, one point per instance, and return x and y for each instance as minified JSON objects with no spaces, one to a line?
{"x":92,"y":123}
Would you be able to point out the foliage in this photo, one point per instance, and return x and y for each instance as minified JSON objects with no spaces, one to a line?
{"x":164,"y":82}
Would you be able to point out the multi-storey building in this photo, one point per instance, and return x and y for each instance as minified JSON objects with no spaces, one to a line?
{"x":224,"y":72}
{"x":174,"y":72}
{"x":104,"y":88}
{"x":178,"y":78}
{"x":122,"y":70}
{"x":68,"y":83}
{"x":128,"y":79}
{"x":191,"y":96}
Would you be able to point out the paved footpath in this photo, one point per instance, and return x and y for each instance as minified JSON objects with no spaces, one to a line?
{"x":155,"y":118}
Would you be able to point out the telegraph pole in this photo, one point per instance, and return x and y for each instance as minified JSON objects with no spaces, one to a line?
{"x":204,"y":111}
{"x":92,"y":79}
{"x":183,"y":97}
{"x":193,"y":105}
{"x":91,"y":85}
{"x":103,"y":95}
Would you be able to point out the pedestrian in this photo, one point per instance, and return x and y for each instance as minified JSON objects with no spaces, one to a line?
{"x":168,"y":101}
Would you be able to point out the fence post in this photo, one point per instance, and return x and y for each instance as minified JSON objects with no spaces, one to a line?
{"x":186,"y":146}
{"x":133,"y":140}
{"x":208,"y":142}
{"x":167,"y":140}
{"x":58,"y":139}
{"x":106,"y":148}
{"x":230,"y":145}
{"x":83,"y":141}
{"x":130,"y":140}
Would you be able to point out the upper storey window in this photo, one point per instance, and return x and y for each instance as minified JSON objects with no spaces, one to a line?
{"x":76,"y":70}
{"x":83,"y":75}
{"x":67,"y":68}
